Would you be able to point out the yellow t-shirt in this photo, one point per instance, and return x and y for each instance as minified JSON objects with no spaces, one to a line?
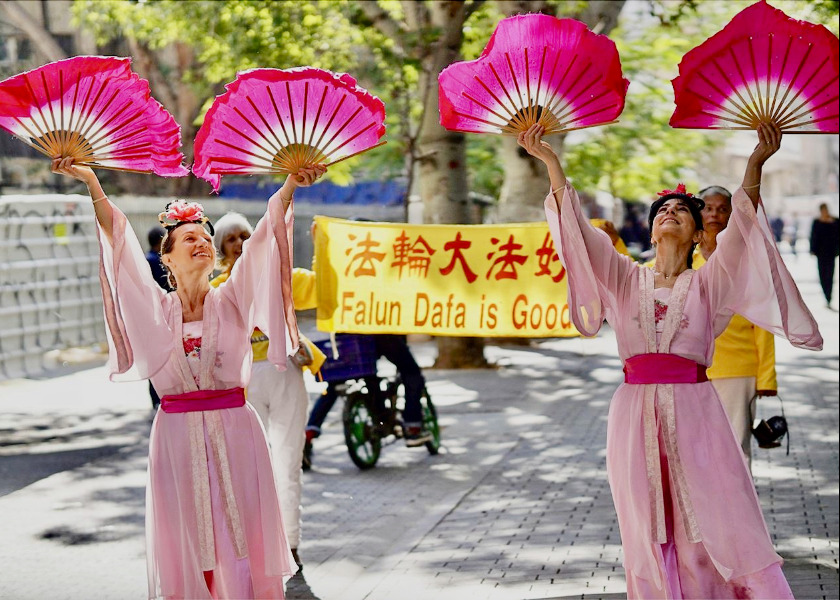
{"x":304,"y":297}
{"x":742,"y":350}
{"x":619,"y":244}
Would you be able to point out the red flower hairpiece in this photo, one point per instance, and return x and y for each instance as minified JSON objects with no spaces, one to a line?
{"x":680,"y":190}
{"x":181,"y":211}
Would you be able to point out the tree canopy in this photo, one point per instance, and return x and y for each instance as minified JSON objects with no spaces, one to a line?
{"x":627,"y":159}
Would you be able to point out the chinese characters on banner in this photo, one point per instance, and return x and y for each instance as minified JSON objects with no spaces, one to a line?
{"x":452,"y":280}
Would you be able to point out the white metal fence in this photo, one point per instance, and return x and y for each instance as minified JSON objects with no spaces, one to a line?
{"x":49,"y":283}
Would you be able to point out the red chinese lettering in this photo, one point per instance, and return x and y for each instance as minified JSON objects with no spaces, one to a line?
{"x":457,"y":246}
{"x":416,"y":256}
{"x":365,"y":257}
{"x":508,"y":259}
{"x":547,"y":256}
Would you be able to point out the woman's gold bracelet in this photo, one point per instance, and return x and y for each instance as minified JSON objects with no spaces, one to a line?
{"x":749,"y":187}
{"x":100,"y":199}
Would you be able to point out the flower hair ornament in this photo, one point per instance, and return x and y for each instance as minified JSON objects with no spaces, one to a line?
{"x":179,"y":212}
{"x":680,"y":189}
{"x":680,"y":192}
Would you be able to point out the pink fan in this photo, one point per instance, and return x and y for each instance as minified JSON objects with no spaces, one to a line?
{"x":535,"y":69}
{"x":95,"y":109}
{"x":762,"y":67}
{"x":279,"y":121}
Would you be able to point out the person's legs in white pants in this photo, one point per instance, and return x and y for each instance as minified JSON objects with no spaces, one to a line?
{"x":737,"y":394}
{"x":281,"y":400}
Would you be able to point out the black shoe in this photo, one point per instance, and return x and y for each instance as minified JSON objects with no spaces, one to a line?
{"x":306,"y":464}
{"x":416,"y":436}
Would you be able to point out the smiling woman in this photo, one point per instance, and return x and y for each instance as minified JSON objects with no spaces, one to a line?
{"x":213,"y":521}
{"x":675,"y":220}
{"x":187,"y":249}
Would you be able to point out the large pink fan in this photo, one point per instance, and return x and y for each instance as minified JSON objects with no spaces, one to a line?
{"x":279,"y":121}
{"x":535,"y":69}
{"x":762,"y":67}
{"x":95,"y":109}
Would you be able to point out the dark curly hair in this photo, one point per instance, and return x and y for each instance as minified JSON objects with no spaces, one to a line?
{"x":694,"y":204}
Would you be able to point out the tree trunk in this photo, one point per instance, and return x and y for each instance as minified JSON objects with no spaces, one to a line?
{"x":165,"y":70}
{"x":526,"y":182}
{"x":525,"y":185}
{"x":442,"y":162}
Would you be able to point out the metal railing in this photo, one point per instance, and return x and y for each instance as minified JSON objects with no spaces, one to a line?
{"x":49,"y":279}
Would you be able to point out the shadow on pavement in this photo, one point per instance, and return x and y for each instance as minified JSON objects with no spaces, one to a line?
{"x":19,"y":470}
{"x":298,"y":589}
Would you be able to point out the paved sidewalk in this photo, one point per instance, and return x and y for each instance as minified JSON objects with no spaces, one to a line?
{"x":515,"y":507}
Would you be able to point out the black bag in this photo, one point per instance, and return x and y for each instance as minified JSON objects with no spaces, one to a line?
{"x":769,"y":433}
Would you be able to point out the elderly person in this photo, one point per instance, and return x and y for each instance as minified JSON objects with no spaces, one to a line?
{"x":744,"y":364}
{"x":213,"y":522}
{"x":279,"y":397}
{"x":691,"y":524}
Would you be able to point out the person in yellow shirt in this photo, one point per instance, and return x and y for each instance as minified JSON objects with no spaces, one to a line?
{"x":280,"y":398}
{"x":608,"y":228}
{"x":744,"y":363}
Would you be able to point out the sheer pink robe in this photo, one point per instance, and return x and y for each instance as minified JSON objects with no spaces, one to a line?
{"x":211,"y":502}
{"x":676,"y":471}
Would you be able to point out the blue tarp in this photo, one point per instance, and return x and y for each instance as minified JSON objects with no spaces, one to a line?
{"x":383,"y":193}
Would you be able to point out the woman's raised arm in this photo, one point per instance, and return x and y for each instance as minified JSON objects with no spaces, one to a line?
{"x":532,"y":141}
{"x":769,"y":142}
{"x":260,"y":283}
{"x":101,"y":204}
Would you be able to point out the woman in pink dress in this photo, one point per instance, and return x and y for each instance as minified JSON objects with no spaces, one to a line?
{"x":213,"y":523}
{"x":691,"y":524}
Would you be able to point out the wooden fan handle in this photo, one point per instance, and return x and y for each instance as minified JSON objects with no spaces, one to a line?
{"x":564,"y":130}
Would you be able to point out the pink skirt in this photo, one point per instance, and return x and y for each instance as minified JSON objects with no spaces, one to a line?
{"x":688,"y":571}
{"x":172,"y":541}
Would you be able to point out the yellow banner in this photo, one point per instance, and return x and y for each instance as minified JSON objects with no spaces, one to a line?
{"x":449,"y":280}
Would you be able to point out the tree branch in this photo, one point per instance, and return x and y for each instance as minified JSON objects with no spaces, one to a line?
{"x":471,"y":8}
{"x":389,"y":27}
{"x":601,"y":16}
{"x":416,"y":14}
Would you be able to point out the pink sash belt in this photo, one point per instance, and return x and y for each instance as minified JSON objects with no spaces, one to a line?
{"x":663,"y":368}
{"x":201,"y":400}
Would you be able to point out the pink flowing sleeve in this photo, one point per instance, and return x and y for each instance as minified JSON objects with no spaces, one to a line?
{"x":746,"y":275}
{"x":139,"y":338}
{"x":260,"y":283}
{"x":595,"y":270}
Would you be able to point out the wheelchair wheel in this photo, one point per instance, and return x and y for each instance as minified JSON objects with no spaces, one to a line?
{"x":363,"y":442}
{"x":430,"y":423}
